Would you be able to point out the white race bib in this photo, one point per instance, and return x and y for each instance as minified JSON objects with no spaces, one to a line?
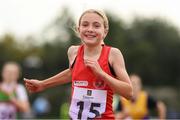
{"x":87,"y":103}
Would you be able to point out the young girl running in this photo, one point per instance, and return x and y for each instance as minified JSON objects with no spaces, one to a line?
{"x":96,"y":71}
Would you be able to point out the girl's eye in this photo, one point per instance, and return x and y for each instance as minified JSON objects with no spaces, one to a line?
{"x":84,"y":24}
{"x":97,"y":25}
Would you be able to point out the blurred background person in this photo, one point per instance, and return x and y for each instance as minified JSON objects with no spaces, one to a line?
{"x":41,"y":106}
{"x":140,"y":105}
{"x":149,"y":39}
{"x":13,"y":96}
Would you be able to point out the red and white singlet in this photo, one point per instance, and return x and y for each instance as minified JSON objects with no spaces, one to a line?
{"x":91,"y":96}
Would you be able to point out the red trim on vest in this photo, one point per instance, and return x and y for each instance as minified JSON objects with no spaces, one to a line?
{"x":81,"y":72}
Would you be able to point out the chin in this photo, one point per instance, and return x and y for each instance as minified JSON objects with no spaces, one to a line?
{"x":90,"y":43}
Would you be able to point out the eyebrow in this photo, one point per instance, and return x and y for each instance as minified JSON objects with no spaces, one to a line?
{"x":95,"y":22}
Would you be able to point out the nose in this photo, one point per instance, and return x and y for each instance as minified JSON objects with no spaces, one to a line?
{"x":90,"y":29}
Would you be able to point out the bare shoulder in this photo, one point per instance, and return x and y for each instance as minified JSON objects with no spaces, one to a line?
{"x":72,"y":52}
{"x":115,"y":52}
{"x":115,"y":55}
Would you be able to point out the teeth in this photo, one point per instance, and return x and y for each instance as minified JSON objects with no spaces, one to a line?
{"x":90,"y":36}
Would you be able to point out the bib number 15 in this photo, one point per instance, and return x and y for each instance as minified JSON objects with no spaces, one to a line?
{"x":92,"y":110}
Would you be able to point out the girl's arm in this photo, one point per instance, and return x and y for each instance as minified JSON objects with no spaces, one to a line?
{"x":21,"y":99}
{"x":121,"y":84}
{"x":23,"y":106}
{"x":61,"y":78}
{"x":34,"y":85}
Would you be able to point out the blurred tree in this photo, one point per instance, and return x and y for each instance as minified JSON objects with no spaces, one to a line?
{"x":153,"y":45}
{"x":9,"y":48}
{"x":150,"y":48}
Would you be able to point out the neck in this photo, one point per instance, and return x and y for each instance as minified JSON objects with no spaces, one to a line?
{"x":92,"y":50}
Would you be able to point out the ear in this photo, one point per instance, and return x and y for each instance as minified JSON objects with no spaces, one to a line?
{"x":105,"y":33}
{"x":77,"y":30}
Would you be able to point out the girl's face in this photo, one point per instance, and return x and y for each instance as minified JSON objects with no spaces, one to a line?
{"x":10,"y":73}
{"x":91,"y":29}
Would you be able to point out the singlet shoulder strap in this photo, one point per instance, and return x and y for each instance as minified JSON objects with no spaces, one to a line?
{"x":78,"y":53}
{"x":106,"y":52}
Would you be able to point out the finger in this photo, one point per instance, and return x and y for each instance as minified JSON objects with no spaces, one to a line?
{"x":30,"y":85}
{"x":89,"y":62}
{"x":90,"y":65}
{"x":86,"y":63}
{"x":92,"y":62}
{"x":86,"y":60}
{"x":31,"y":89}
{"x":30,"y":81}
{"x":25,"y":79}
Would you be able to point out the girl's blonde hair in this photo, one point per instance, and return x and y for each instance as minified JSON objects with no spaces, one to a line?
{"x":100,"y":13}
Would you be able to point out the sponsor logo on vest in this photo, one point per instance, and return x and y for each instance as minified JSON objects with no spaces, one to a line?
{"x":80,"y":83}
{"x":99,"y":84}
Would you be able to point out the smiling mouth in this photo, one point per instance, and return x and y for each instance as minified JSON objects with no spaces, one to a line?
{"x":90,"y":36}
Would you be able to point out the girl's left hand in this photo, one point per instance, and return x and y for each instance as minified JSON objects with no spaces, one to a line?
{"x":94,"y":66}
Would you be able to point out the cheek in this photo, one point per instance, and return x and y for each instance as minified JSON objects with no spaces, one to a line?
{"x":100,"y":35}
{"x":101,"y":31}
{"x":81,"y":32}
{"x":81,"y":36}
